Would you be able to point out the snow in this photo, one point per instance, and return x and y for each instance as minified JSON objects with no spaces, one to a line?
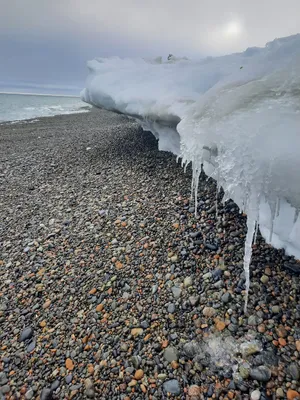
{"x":239,"y":115}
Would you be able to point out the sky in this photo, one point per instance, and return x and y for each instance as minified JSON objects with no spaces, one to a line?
{"x":44,"y":45}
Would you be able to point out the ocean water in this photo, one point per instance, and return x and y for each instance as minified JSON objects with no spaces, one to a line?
{"x":17,"y":107}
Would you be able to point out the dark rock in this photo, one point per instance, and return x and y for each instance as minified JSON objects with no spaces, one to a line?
{"x":260,"y":374}
{"x":26,"y":334}
{"x":46,"y":394}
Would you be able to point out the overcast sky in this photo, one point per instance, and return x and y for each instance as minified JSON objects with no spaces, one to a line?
{"x":44,"y":44}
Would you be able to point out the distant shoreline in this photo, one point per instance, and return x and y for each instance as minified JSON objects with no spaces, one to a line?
{"x":40,"y":94}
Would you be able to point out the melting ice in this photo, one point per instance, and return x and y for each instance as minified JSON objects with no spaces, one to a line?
{"x":238,"y":115}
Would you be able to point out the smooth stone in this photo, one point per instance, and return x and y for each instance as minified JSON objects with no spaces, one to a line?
{"x":208,"y":312}
{"x":172,"y":386}
{"x":244,"y":370}
{"x":46,"y":394}
{"x":171,"y":354}
{"x":280,"y":393}
{"x":252,"y":320}
{"x":264,"y":279}
{"x":68,"y":379}
{"x":154,"y":289}
{"x":226,"y":298}
{"x":176,"y":292}
{"x":293,"y":370}
{"x":275,"y":309}
{"x":260,"y":374}
{"x":31,"y":346}
{"x":188,"y":281}
{"x":136,"y":361}
{"x":249,"y":348}
{"x":26,"y":334}
{"x":5,"y":389}
{"x":55,"y":385}
{"x":89,"y":388}
{"x":29,"y":394}
{"x":171,"y":308}
{"x":194,"y":300}
{"x":255,"y":395}
{"x":3,"y":378}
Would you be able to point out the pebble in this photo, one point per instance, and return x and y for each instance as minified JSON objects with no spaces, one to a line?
{"x":208,"y":312}
{"x":46,"y":394}
{"x":188,"y":281}
{"x":171,"y":354}
{"x":176,"y":292}
{"x":26,"y":334}
{"x":171,"y":308}
{"x":255,"y":395}
{"x":29,"y":394}
{"x":172,"y":386}
{"x":89,"y":388}
{"x":294,"y":371}
{"x":261,"y":374}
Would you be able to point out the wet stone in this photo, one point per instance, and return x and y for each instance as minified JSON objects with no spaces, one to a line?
{"x":171,"y":354}
{"x":172,"y":386}
{"x":26,"y":334}
{"x":261,"y":374}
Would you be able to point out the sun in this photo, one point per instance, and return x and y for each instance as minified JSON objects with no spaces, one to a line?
{"x":233,"y":29}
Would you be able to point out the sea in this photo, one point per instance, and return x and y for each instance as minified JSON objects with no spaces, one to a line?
{"x":21,"y":107}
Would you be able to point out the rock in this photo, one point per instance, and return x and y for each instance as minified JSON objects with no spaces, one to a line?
{"x":89,"y":388}
{"x":249,"y":348}
{"x":190,"y":349}
{"x":171,"y":354}
{"x":171,"y":308}
{"x":154,"y":289}
{"x":46,"y":394}
{"x":275,"y":309}
{"x":194,"y":300}
{"x":26,"y":334}
{"x":188,"y":281}
{"x":208,"y":312}
{"x":292,"y":395}
{"x":3,"y":379}
{"x":194,"y":392}
{"x":264,"y":279}
{"x":226,"y":298}
{"x":136,"y":361}
{"x":280,"y":393}
{"x":68,"y":378}
{"x":252,"y":320}
{"x":172,"y":386}
{"x":55,"y":385}
{"x":255,"y":395}
{"x":31,"y":346}
{"x":5,"y":389}
{"x":176,"y":292}
{"x":293,"y":370}
{"x":244,"y":370}
{"x":69,"y":364}
{"x":29,"y":394}
{"x":139,"y":374}
{"x":260,"y":374}
{"x":136,"y":332}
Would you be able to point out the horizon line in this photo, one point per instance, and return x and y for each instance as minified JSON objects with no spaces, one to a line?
{"x":42,"y":94}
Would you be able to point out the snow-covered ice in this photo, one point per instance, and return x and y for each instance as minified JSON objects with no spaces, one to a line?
{"x":239,"y":115}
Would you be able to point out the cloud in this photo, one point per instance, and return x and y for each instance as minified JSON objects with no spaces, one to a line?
{"x":50,"y":41}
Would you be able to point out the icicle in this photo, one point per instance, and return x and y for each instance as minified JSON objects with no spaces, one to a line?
{"x":273,"y":214}
{"x":278,"y":207}
{"x":196,"y":185}
{"x":248,"y":253}
{"x":296,"y":215}
{"x":256,"y":230}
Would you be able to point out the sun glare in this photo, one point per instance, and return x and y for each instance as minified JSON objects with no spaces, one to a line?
{"x":233,"y":29}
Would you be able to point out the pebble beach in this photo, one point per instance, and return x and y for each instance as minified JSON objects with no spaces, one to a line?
{"x":112,"y":288}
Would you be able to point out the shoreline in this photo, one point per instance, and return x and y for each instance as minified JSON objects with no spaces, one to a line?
{"x":111,"y":287}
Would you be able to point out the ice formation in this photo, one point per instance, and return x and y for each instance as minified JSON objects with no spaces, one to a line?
{"x":239,"y":115}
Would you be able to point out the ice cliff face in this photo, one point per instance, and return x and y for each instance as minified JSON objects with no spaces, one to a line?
{"x":238,"y":115}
